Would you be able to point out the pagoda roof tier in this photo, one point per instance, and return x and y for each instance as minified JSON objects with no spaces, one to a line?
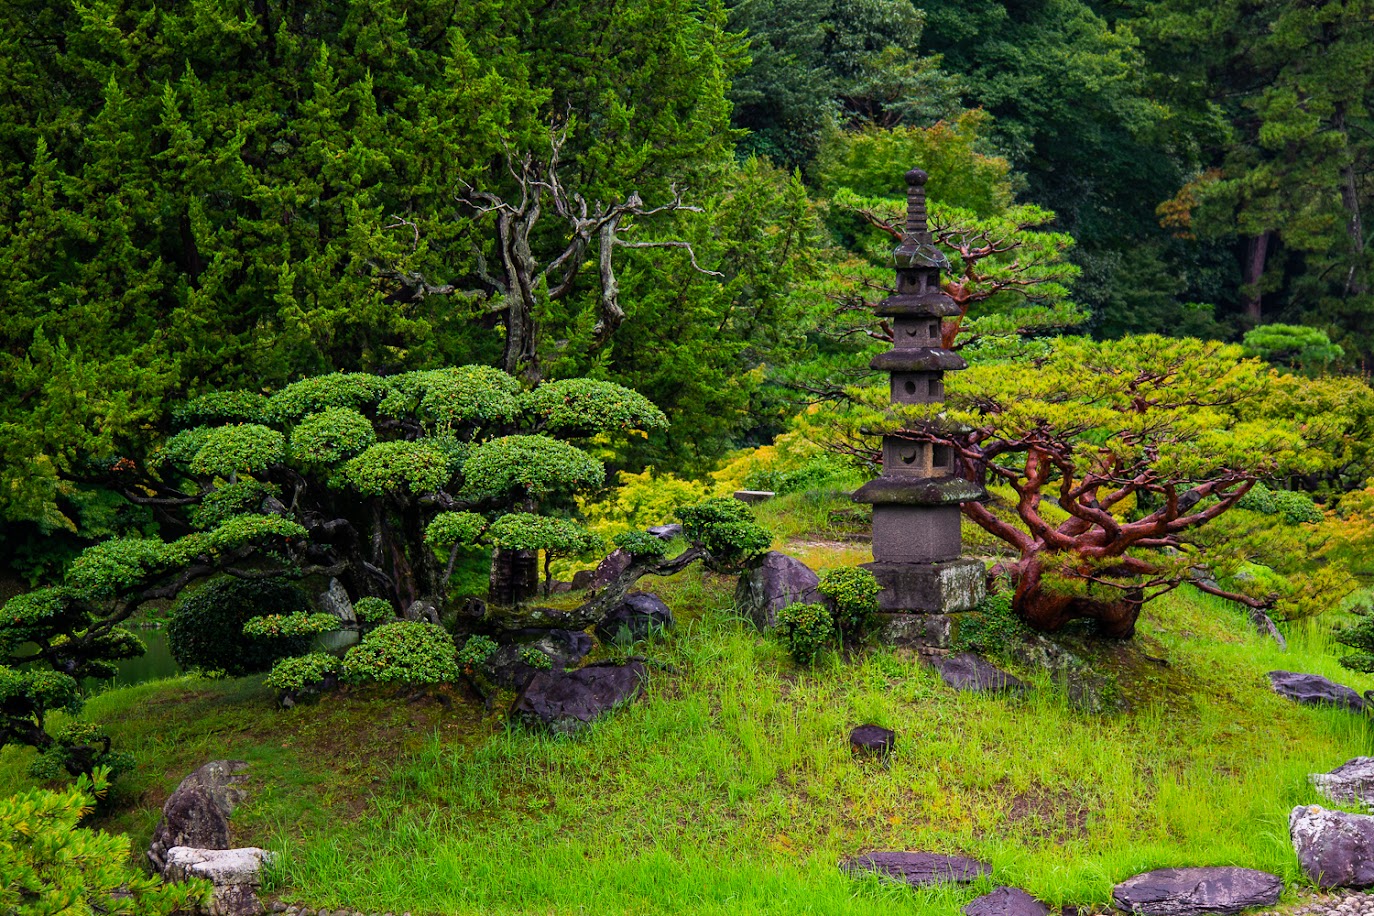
{"x":933,"y":304}
{"x":918,"y":359}
{"x":919,"y":491}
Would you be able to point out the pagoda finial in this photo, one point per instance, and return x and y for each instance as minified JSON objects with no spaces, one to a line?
{"x":916,"y":203}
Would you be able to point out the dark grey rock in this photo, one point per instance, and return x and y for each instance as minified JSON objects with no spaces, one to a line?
{"x":1351,"y":782}
{"x":640,"y":615}
{"x":565,"y":701}
{"x":197,"y":812}
{"x":974,"y":674}
{"x":334,"y":600}
{"x":872,"y":740}
{"x":1334,"y":849}
{"x":582,"y":579}
{"x":557,"y":587}
{"x":666,"y":532}
{"x":564,"y":649}
{"x":919,"y":869}
{"x":1189,"y":891}
{"x":615,"y":563}
{"x":1006,"y":901}
{"x":754,"y":496}
{"x":424,"y":609}
{"x":1314,"y":690}
{"x":775,"y":582}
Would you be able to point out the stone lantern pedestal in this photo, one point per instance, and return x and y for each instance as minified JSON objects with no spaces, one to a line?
{"x":917,"y":547}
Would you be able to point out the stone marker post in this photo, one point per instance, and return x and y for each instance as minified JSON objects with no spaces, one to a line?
{"x":916,"y":537}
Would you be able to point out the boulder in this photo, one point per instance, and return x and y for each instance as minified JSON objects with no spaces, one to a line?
{"x":1006,"y":901}
{"x":423,"y":609}
{"x":334,"y":600}
{"x":564,"y":648}
{"x":754,"y":496}
{"x":771,"y":585}
{"x":666,"y":532}
{"x":582,"y":579}
{"x":1334,"y":849}
{"x":1188,"y":891}
{"x":918,"y":869}
{"x":235,"y":873}
{"x":616,"y":562}
{"x":974,"y":674}
{"x":565,"y":701}
{"x":1314,"y":690}
{"x":640,"y":615}
{"x":197,"y":813}
{"x":1350,"y":783}
{"x":872,"y":740}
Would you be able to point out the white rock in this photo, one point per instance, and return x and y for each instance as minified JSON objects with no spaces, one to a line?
{"x":218,"y":866}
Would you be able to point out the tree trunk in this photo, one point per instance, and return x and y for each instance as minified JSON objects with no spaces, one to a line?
{"x":514,"y":577}
{"x":1256,"y":250}
{"x":1048,"y":611}
{"x":1356,"y":282}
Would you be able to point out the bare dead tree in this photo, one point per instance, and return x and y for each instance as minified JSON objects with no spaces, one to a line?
{"x":524,"y":274}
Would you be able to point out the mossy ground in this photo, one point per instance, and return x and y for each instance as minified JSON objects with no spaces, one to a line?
{"x":730,"y":788}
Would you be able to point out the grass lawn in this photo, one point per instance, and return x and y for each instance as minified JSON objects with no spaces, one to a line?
{"x":730,"y":788}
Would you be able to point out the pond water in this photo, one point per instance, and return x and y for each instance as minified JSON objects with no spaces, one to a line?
{"x":157,"y":662}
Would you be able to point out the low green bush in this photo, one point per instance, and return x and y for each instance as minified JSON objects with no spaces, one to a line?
{"x":536,"y":659}
{"x":991,"y":627}
{"x":1296,"y":508}
{"x":303,"y":672}
{"x":297,"y":624}
{"x":406,"y":651}
{"x":206,"y":629}
{"x":642,"y":544}
{"x":853,"y":594}
{"x":806,"y":630}
{"x":475,"y":653}
{"x":370,"y":610}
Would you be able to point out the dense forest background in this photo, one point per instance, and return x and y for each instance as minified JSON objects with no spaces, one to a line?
{"x":669,"y":194}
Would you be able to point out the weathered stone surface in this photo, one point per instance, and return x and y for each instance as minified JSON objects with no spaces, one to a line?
{"x":1351,"y":782}
{"x":667,"y":532}
{"x":564,"y":648}
{"x":235,"y":874}
{"x":939,"y":588}
{"x":918,"y":869}
{"x":334,"y":600}
{"x":565,"y":701}
{"x":1335,"y":849}
{"x":1189,"y":891}
{"x":1314,"y":690}
{"x":424,"y":609}
{"x":974,"y":674}
{"x":582,"y":579}
{"x":639,"y":616}
{"x":774,"y":583}
{"x":872,"y":740}
{"x":616,"y":562}
{"x":1006,"y":901}
{"x":197,"y":812}
{"x":915,"y":534}
{"x":754,"y":496}
{"x":915,"y":631}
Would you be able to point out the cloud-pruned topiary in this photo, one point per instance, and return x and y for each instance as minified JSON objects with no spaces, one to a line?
{"x":313,"y":395}
{"x":453,"y":398}
{"x":449,"y":529}
{"x":222,"y":407}
{"x":514,"y":467}
{"x":407,"y":651}
{"x":641,"y":544}
{"x":248,"y":448}
{"x":275,"y":626}
{"x":585,"y":407}
{"x":334,"y":434}
{"x":372,"y":610}
{"x":400,"y":466}
{"x":726,"y":529}
{"x":303,"y":672}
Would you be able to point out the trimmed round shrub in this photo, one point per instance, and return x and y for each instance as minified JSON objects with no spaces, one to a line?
{"x":806,"y":630}
{"x":291,"y":625}
{"x":303,"y":672}
{"x":642,"y":544}
{"x":206,"y":629}
{"x":475,"y":652}
{"x":407,"y":651}
{"x":373,"y":610}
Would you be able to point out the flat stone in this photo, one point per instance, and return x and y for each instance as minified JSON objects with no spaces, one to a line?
{"x":775,"y":582}
{"x":754,"y":496}
{"x":566,"y":701}
{"x":1334,"y":849}
{"x":1189,"y":891}
{"x":914,"y":631}
{"x":639,"y":616}
{"x":218,"y":866}
{"x":873,"y":740}
{"x":197,"y":813}
{"x":973,"y":674}
{"x":1006,"y":901}
{"x":1351,"y":782}
{"x":918,"y":869}
{"x":1314,"y":690}
{"x":666,"y":532}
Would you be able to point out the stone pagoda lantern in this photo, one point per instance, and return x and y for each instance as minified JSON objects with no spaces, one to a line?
{"x":917,"y":545}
